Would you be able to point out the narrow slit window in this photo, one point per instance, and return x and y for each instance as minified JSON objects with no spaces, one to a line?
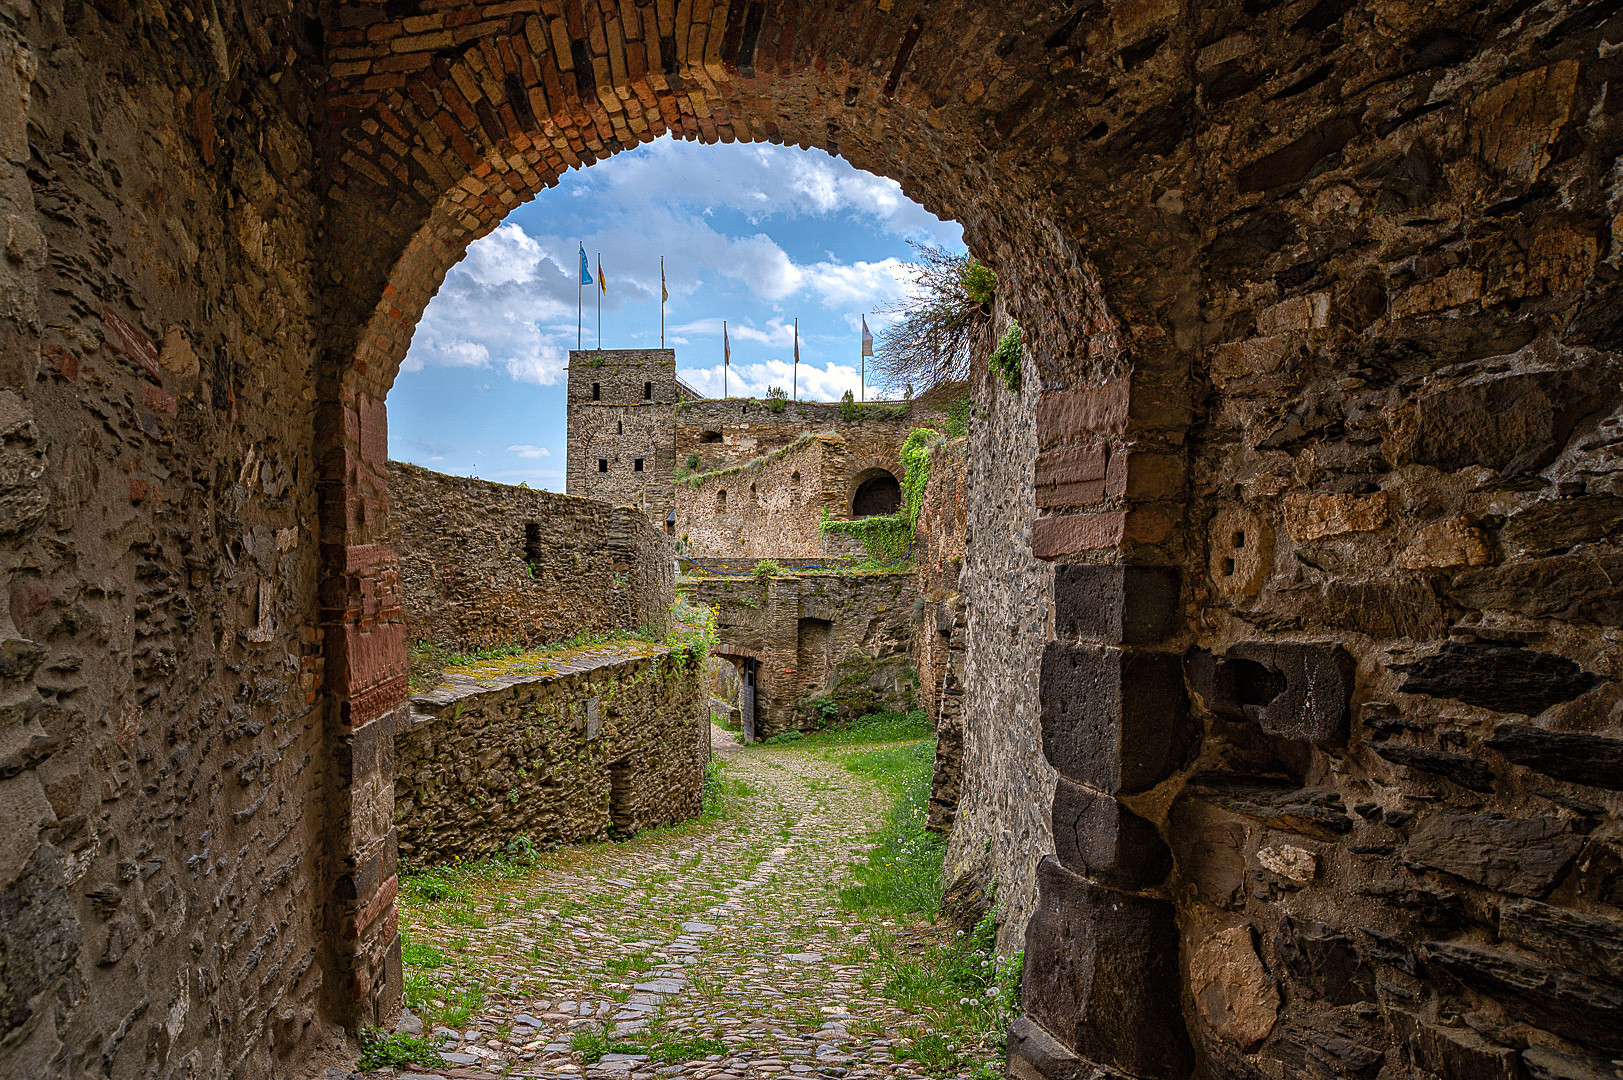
{"x":532,"y":542}
{"x":602,"y":464}
{"x":648,"y":391}
{"x":619,"y":427}
{"x":597,"y":391}
{"x":636,"y":465}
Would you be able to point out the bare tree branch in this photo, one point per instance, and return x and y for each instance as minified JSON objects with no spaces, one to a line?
{"x":945,"y":322}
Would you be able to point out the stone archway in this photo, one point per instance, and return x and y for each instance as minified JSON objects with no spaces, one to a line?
{"x":1319,"y":379}
{"x":441,"y":122}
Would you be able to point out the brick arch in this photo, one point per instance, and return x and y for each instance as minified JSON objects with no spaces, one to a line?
{"x":442,"y":118}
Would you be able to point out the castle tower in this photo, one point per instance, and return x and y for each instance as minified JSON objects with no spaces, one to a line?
{"x":622,"y":427}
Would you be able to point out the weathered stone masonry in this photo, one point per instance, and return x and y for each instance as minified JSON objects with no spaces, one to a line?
{"x":601,"y":746}
{"x":1338,"y":276}
{"x":485,"y":564}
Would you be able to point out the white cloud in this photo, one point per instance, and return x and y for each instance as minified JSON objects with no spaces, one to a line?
{"x":526,"y":451}
{"x":754,"y":379}
{"x":860,"y":286}
{"x":507,"y":255}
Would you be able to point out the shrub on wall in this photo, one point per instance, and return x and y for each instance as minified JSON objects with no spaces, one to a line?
{"x":1006,"y":357}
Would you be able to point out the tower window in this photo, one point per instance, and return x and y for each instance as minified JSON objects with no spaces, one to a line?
{"x":532,"y":542}
{"x":636,"y":465}
{"x":602,"y":464}
{"x":597,"y":391}
{"x":619,"y":427}
{"x":648,"y":391}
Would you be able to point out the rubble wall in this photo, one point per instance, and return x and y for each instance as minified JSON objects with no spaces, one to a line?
{"x":591,"y":749}
{"x":484,"y":564}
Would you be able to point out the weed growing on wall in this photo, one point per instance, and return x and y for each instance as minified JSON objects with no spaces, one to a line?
{"x":777,"y":399}
{"x":1006,"y":357}
{"x":888,"y":538}
{"x":850,"y":407}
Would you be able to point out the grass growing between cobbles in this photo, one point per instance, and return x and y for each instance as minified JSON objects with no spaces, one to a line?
{"x":443,"y":981}
{"x":964,"y":993}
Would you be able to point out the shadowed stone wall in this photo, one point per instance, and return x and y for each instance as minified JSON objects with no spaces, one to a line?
{"x":484,"y":564}
{"x":839,"y":636}
{"x":769,"y":507}
{"x":594,"y":747}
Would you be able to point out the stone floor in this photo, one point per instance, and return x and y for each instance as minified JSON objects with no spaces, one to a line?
{"x":720,"y":949}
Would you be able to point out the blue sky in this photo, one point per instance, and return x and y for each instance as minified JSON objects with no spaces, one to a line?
{"x":751,"y":233}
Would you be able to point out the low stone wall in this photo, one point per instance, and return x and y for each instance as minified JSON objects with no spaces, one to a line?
{"x":606,"y":745}
{"x":485,"y":564}
{"x":845,"y":637}
{"x":942,"y":622}
{"x":725,"y":433}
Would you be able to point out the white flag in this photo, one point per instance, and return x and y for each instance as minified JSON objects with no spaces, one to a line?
{"x":867,"y":338}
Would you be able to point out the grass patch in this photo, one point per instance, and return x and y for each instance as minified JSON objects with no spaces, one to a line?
{"x":626,"y":965}
{"x":420,"y":954}
{"x":592,"y":1045}
{"x":381,"y":1051}
{"x":902,"y":875}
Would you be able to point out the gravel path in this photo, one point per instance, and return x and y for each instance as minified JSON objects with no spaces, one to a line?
{"x":719,"y":949}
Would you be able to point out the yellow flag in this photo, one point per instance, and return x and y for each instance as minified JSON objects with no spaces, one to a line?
{"x":602,"y":283}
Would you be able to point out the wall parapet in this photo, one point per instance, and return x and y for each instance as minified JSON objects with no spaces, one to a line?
{"x":604,"y":744}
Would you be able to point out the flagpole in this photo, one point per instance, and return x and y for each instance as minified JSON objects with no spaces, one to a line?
{"x":797,"y":358}
{"x":725,"y":360}
{"x":662,"y":301}
{"x":600,"y":300}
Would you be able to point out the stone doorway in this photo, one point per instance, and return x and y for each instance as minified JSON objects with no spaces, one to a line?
{"x":746,"y":697}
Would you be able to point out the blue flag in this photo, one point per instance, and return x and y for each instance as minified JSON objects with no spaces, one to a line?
{"x":585,"y":267}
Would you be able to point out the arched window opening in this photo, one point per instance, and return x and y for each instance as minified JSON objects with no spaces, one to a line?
{"x":709,"y":436}
{"x":721,"y":502}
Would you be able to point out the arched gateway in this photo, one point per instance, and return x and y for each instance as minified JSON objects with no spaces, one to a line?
{"x":1315,"y":419}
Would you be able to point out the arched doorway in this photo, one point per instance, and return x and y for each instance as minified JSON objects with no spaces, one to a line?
{"x":877,"y":492}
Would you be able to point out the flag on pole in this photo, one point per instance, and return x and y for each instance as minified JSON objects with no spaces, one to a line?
{"x":726,"y":346}
{"x":867,"y":351}
{"x":664,"y":293}
{"x":602,"y":283}
{"x":867,"y":338}
{"x":585,"y":267}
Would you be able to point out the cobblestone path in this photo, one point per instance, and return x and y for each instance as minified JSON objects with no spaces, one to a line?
{"x":719,"y":948}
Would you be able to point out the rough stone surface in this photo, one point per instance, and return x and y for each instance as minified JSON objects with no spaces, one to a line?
{"x":599,"y":743}
{"x":1097,"y":837}
{"x":1100,"y":973}
{"x":485,"y":564}
{"x":1519,"y":856}
{"x":1232,"y":990}
{"x":1503,"y":677}
{"x":1570,"y":1005}
{"x":1114,"y":720}
{"x":1583,"y":759}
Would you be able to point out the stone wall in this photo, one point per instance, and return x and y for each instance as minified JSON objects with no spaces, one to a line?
{"x":599,"y":747}
{"x":626,"y":423}
{"x":769,"y":507}
{"x":841,"y":636}
{"x":942,"y":625}
{"x":728,"y":433}
{"x":1002,"y":825}
{"x":165,"y":874}
{"x":485,"y":564}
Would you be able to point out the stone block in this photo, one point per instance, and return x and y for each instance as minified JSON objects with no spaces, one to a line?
{"x":1452,"y":1053}
{"x":1465,"y":771}
{"x":1503,"y":676}
{"x":1114,"y":720}
{"x":1102,"y":974}
{"x":1584,"y":588}
{"x":1071,"y":475}
{"x":1556,"y":999}
{"x":1515,"y":424}
{"x":1296,"y":691}
{"x":1058,"y":535}
{"x":1520,"y":856}
{"x":1034,"y":1054}
{"x":1313,"y":517}
{"x":1455,"y":542}
{"x":1098,"y":837}
{"x":1324,"y":960}
{"x":1586,"y":943}
{"x":1232,"y":990}
{"x":1116,"y":605}
{"x":1240,"y":548}
{"x":1542,"y":1063}
{"x":1582,"y":759}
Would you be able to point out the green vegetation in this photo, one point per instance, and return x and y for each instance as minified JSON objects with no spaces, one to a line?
{"x":767,"y":568}
{"x":902,"y":876}
{"x":592,"y":1045}
{"x":888,"y":538}
{"x":1006,"y":357}
{"x":958,"y":414}
{"x":850,"y":407}
{"x":381,"y":1051}
{"x":777,"y":399}
{"x":942,"y":325}
{"x":879,"y":727}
